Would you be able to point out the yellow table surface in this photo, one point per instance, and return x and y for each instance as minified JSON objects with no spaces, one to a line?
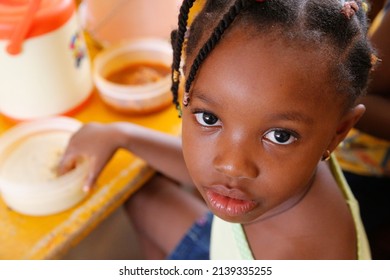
{"x":49,"y":237}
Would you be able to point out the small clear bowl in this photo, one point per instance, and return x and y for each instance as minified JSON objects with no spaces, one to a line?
{"x":29,"y":154}
{"x":144,"y":98}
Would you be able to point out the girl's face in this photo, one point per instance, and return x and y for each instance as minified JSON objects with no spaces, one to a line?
{"x":260,"y":118}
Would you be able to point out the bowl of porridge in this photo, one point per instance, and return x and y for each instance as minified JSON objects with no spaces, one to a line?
{"x":29,"y":156}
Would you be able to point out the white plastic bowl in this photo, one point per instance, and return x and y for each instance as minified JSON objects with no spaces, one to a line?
{"x":29,"y":153}
{"x":134,"y":98}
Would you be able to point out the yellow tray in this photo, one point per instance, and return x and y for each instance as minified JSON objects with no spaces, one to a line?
{"x":49,"y":237}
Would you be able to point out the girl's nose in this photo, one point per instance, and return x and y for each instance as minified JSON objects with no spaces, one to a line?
{"x":236,"y":160}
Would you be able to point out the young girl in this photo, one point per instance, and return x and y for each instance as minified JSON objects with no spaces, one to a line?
{"x":270,"y":90}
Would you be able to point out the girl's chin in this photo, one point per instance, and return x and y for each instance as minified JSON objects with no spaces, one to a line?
{"x":229,"y":208}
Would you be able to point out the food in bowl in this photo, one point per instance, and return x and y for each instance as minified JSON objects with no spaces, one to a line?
{"x":37,"y":162}
{"x":29,"y":156}
{"x":134,"y":76}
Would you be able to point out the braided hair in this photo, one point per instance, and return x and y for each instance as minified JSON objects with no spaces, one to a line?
{"x":337,"y":26}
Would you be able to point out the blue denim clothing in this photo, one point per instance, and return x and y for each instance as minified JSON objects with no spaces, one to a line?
{"x":195,"y":245}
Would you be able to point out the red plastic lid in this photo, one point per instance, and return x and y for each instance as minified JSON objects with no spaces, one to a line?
{"x":49,"y":16}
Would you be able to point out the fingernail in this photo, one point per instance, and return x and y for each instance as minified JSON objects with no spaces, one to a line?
{"x":86,"y":189}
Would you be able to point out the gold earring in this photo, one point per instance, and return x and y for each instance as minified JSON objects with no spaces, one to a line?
{"x":326,"y":156}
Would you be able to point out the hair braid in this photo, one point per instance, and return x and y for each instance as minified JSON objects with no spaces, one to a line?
{"x":177,"y":40}
{"x":224,"y":23}
{"x":345,"y":24}
{"x":358,"y":56}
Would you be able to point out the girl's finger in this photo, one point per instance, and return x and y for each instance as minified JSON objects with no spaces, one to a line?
{"x":66,"y":164}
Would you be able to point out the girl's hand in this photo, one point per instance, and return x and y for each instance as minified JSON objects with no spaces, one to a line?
{"x":95,"y":143}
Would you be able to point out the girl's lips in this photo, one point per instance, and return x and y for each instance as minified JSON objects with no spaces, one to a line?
{"x":229,"y":205}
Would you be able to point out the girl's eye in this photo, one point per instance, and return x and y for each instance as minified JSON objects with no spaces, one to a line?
{"x":281,"y":137}
{"x":207,"y":119}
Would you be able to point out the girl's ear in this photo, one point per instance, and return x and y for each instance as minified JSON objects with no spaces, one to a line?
{"x":347,"y":122}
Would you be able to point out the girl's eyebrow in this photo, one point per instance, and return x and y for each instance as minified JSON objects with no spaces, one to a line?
{"x":292,"y":116}
{"x":203,"y":97}
{"x":289,"y":115}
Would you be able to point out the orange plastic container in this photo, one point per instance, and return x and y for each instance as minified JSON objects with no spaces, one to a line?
{"x":45,"y":68}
